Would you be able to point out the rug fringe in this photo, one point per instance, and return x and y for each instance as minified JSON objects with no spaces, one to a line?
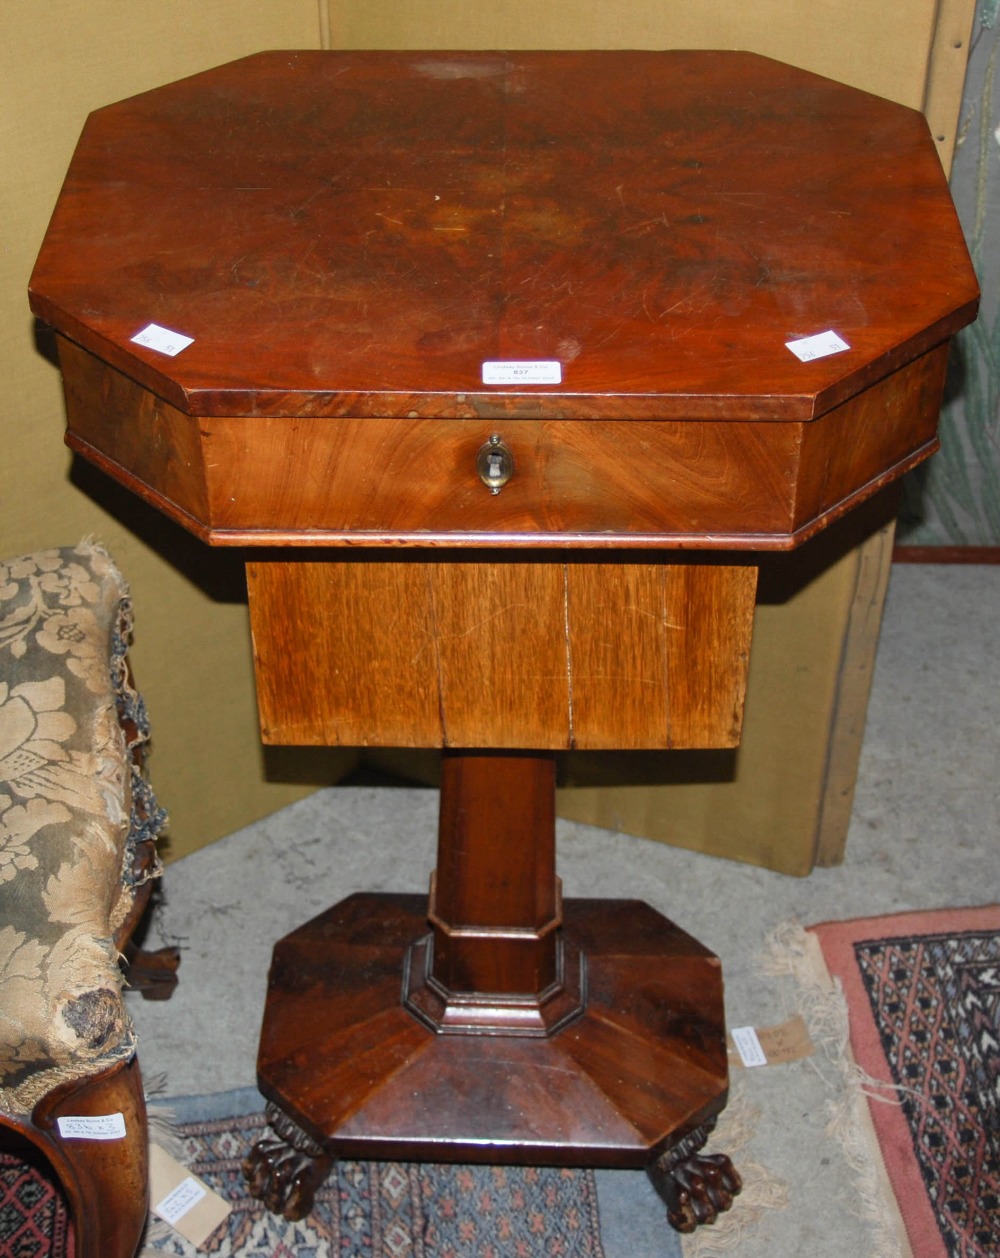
{"x":762,"y":1190}
{"x":795,"y":953}
{"x":161,"y":1118}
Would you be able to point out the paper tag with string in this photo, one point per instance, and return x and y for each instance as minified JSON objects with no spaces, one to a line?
{"x":183,"y":1200}
{"x":770,"y":1046}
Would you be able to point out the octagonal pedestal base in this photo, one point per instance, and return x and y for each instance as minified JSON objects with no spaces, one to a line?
{"x":352,"y":1073}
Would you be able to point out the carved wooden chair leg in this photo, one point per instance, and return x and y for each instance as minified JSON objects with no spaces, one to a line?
{"x":696,"y":1187}
{"x":105,"y":1181}
{"x":285,"y":1169}
{"x":153,"y":973}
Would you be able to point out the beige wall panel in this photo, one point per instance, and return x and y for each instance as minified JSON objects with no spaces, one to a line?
{"x":850,"y":40}
{"x":946,"y":73}
{"x":192,"y":652}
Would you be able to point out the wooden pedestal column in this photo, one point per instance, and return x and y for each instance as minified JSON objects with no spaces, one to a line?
{"x":513,"y":1032}
{"x":496,"y":961}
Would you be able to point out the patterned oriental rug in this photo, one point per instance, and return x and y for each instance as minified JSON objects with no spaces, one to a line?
{"x":365,"y":1209}
{"x":390,"y":1209}
{"x":923,"y":1005}
{"x":34,"y":1220}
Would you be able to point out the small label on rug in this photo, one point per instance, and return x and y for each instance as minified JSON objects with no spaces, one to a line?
{"x":748,"y":1046}
{"x":92,"y":1127}
{"x":183,"y":1200}
{"x":771,"y":1045}
{"x":180,"y":1200}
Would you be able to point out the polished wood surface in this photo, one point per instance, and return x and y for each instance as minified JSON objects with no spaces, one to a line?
{"x":404,"y":651}
{"x":349,"y":239}
{"x":496,"y":961}
{"x":356,"y":233}
{"x":251,"y":480}
{"x":108,"y":1185}
{"x":644,"y":1062}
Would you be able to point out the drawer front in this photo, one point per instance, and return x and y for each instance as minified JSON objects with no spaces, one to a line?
{"x":258,"y":480}
{"x":403,"y":652}
{"x":421,"y":478}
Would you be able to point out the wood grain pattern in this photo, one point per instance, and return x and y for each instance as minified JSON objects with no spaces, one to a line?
{"x":108,"y":1188}
{"x":247,"y":480}
{"x":646,"y":1061}
{"x":407,"y":652}
{"x":362,"y":231}
{"x":355,"y":233}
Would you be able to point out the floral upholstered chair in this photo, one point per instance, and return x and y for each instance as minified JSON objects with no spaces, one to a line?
{"x":78,"y":825}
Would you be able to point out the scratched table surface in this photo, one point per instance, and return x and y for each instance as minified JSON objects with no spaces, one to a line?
{"x":357,"y":234}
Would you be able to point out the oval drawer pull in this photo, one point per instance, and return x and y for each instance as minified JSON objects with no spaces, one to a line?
{"x":495,"y":464}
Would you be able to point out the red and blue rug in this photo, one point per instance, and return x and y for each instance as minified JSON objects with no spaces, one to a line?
{"x":391,"y":1209}
{"x":34,"y":1219}
{"x":365,"y":1209}
{"x":923,"y":998}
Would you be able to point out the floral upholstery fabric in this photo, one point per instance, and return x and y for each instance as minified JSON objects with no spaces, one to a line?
{"x":72,"y":806}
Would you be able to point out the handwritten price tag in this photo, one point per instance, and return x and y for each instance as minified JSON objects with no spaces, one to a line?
{"x":162,"y":340}
{"x":183,"y":1198}
{"x":819,"y":346}
{"x":92,"y":1127}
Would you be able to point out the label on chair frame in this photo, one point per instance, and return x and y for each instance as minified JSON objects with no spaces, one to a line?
{"x":92,"y":1127}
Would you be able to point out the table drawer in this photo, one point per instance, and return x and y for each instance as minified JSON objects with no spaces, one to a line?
{"x":315,"y":480}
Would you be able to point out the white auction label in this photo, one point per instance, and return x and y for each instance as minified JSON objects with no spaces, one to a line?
{"x":183,"y":1198}
{"x":92,"y":1127}
{"x":535,"y":371}
{"x":748,"y":1046}
{"x":162,"y":339}
{"x":818,"y":346}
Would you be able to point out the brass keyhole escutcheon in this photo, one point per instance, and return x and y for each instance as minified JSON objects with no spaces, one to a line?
{"x":495,"y":464}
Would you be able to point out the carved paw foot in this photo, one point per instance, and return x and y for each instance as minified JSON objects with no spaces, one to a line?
{"x":286,"y":1167}
{"x":697,"y":1187}
{"x":154,"y":974}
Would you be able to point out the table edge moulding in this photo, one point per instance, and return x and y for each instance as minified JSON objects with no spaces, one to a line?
{"x":504,"y":368}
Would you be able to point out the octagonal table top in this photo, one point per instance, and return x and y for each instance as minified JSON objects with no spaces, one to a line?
{"x":384,"y":234}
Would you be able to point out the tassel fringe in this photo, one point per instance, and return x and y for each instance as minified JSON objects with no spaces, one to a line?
{"x":762,"y":1190}
{"x":795,"y":953}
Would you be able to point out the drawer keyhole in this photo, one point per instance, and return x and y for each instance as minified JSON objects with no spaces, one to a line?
{"x":495,"y":464}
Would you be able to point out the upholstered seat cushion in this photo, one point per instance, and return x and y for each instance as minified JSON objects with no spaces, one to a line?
{"x":72,"y":807}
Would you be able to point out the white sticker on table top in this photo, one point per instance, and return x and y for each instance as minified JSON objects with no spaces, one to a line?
{"x":530,"y":371}
{"x":807,"y":348}
{"x":163,"y":340}
{"x":92,"y":1126}
{"x":180,"y":1200}
{"x":748,"y":1046}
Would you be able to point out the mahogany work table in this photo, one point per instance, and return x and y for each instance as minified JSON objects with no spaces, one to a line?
{"x":502,"y":367}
